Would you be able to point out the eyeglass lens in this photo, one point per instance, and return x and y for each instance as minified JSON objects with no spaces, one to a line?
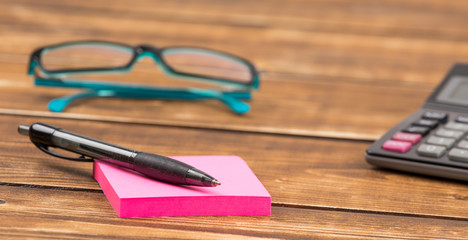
{"x":86,"y":56}
{"x":206,"y":63}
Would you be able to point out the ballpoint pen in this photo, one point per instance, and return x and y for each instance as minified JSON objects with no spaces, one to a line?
{"x":151,"y":165}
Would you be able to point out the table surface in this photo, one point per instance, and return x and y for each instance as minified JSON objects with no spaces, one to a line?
{"x":335,"y":76}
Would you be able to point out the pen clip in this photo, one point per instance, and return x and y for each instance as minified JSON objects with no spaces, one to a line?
{"x":46,"y":149}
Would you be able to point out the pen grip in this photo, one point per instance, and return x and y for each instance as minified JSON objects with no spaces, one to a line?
{"x":161,"y":167}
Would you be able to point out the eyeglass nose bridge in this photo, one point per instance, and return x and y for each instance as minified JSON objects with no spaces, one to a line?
{"x":148,"y":51}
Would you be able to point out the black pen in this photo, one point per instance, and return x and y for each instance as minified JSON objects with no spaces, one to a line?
{"x":152,"y":165}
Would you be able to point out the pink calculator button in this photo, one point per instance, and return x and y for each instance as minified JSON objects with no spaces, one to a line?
{"x":396,"y":146}
{"x":407,"y":137}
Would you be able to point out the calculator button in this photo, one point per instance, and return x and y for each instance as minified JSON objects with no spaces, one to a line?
{"x":449,"y":133}
{"x":463,"y":144}
{"x":457,"y":126}
{"x":462,"y":119}
{"x":396,"y":146}
{"x":407,"y":137}
{"x":426,"y":123}
{"x":458,"y":154}
{"x":417,"y":130}
{"x":439,"y":116}
{"x":431,"y":150}
{"x":445,"y":142}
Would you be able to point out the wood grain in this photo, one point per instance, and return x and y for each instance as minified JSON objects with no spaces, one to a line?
{"x":296,"y":171}
{"x":332,"y":75}
{"x":50,"y":213}
{"x":336,"y":75}
{"x":376,"y":50}
{"x":323,"y":108}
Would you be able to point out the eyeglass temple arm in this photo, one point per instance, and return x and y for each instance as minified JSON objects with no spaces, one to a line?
{"x":231,"y":99}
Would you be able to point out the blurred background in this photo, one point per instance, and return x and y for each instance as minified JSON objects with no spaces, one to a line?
{"x":330,"y":60}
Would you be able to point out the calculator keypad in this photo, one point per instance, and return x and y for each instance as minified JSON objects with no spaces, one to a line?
{"x":457,"y":126}
{"x":445,"y":142}
{"x":447,"y":133}
{"x":462,"y":119}
{"x":449,"y":139}
{"x":426,"y":123}
{"x":417,"y":130}
{"x":438,"y":116}
{"x":407,"y":137}
{"x":458,"y":154}
{"x":463,"y":144}
{"x":431,"y":150}
{"x":396,"y":146}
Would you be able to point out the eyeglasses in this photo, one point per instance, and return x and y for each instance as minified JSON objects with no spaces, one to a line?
{"x":52,"y":65}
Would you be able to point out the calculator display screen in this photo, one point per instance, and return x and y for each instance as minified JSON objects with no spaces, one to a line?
{"x":455,"y":91}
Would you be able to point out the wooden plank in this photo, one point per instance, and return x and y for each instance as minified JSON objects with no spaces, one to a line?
{"x":323,"y":107}
{"x":297,"y":171}
{"x":50,"y":213}
{"x":365,"y":71}
{"x":312,"y":52}
{"x":376,"y":18}
{"x":308,"y":109}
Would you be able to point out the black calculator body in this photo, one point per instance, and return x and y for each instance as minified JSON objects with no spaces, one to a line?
{"x":433,"y":140}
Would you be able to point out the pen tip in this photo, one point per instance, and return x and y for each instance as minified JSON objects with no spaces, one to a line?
{"x":215,"y":183}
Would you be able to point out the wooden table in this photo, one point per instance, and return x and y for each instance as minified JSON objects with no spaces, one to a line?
{"x":336,"y":75}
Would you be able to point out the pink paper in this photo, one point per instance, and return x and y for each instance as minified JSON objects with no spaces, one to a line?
{"x":240,"y":193}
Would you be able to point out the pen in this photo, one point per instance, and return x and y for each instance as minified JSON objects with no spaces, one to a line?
{"x":151,"y":165}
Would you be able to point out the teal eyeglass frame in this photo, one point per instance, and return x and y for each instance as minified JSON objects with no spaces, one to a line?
{"x":55,"y":78}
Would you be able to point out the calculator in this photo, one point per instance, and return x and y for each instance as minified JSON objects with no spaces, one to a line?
{"x":434,"y":139}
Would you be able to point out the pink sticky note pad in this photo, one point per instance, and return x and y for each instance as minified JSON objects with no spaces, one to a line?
{"x":240,"y":193}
